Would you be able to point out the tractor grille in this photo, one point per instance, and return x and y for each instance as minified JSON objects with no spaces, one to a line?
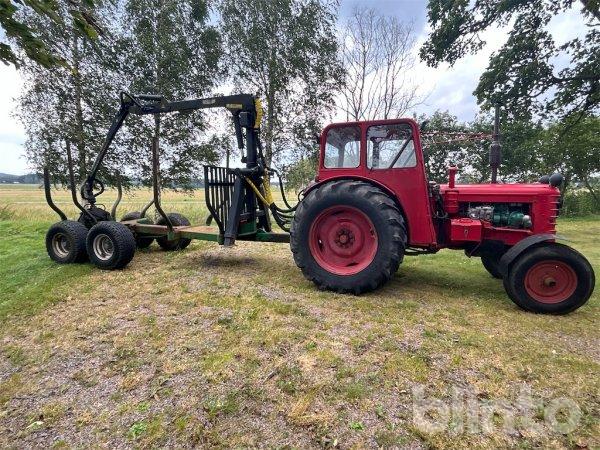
{"x":555,"y":205}
{"x":218,"y":190}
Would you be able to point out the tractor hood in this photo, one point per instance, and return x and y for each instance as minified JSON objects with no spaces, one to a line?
{"x":492,"y":193}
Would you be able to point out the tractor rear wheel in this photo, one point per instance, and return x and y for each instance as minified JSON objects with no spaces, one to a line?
{"x":176,"y":244}
{"x":110,"y":245}
{"x":65,"y":242}
{"x":348,"y":236}
{"x":551,"y":278}
{"x":491,"y":262}
{"x":141,"y":241}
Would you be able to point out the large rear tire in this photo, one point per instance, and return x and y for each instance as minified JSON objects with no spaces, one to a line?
{"x":348,"y":236}
{"x":176,"y":244}
{"x":65,"y":242}
{"x":141,"y":241}
{"x":110,"y":245}
{"x":552,"y":279}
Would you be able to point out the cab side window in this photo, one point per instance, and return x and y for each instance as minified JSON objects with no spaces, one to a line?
{"x":342,"y":148}
{"x":390,"y":146}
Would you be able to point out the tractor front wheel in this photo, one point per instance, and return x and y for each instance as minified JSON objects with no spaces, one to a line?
{"x":491,"y":262}
{"x":551,"y":278}
{"x":348,"y":236}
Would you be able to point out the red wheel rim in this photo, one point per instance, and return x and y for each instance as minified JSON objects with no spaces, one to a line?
{"x":343,"y":240}
{"x":550,"y":281}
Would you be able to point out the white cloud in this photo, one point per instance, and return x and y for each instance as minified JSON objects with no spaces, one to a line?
{"x":12,"y":135}
{"x":451,"y":88}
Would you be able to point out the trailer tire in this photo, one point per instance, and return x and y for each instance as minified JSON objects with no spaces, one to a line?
{"x":177,"y":244}
{"x":141,"y":241}
{"x":348,"y":236}
{"x":110,"y":245}
{"x":65,"y":242}
{"x":491,"y":263}
{"x":551,"y":278}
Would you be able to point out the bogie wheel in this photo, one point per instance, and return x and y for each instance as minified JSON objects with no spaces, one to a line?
{"x":491,"y":262}
{"x":141,"y":241}
{"x":551,"y":278}
{"x":65,"y":242}
{"x":110,"y":245}
{"x":176,"y":244}
{"x":348,"y":236}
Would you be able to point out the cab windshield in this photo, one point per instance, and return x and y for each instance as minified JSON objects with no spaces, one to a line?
{"x":390,"y":146}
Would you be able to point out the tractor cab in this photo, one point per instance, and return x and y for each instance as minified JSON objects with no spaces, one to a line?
{"x":388,"y":154}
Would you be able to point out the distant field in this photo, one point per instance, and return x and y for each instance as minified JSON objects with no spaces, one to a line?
{"x":26,"y":201}
{"x":233,"y":347}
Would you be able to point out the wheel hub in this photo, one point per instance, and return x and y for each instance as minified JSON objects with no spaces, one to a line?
{"x":103,"y":247}
{"x":343,"y":240}
{"x":551,"y":281}
{"x":61,"y":245}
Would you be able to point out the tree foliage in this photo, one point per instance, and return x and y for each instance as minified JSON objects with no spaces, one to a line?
{"x":66,"y":102}
{"x":35,"y":45}
{"x":575,"y":152}
{"x":286,"y":52}
{"x":171,"y":49}
{"x":527,"y":74}
{"x":155,"y":47}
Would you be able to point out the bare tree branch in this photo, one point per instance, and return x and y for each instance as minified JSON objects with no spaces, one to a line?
{"x":377,"y":53}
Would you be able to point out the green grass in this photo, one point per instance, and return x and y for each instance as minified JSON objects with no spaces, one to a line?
{"x":29,"y":280}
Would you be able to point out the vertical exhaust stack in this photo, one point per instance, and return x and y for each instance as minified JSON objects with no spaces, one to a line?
{"x":496,"y":147}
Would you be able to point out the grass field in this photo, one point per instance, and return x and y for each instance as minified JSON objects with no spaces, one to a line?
{"x":233,"y":347}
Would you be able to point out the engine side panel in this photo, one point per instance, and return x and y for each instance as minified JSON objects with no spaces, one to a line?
{"x":507,"y":212}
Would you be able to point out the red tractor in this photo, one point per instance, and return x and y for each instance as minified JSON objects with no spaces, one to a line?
{"x":369,"y":206}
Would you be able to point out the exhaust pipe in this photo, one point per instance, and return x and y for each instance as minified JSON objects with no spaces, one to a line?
{"x":496,"y":147}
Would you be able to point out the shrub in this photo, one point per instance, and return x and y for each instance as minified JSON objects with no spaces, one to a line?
{"x":579,"y":202}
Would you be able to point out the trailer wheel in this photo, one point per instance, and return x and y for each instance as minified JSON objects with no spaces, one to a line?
{"x":177,"y":244}
{"x":348,"y":236}
{"x":110,"y":245}
{"x":491,"y":263}
{"x":65,"y":242}
{"x":551,"y":278}
{"x":141,"y":241}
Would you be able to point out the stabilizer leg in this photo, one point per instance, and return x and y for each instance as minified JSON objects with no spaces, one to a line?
{"x":233,"y":218}
{"x":48,"y":193}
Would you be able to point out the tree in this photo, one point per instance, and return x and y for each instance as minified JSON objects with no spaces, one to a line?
{"x":446,"y":140}
{"x":155,"y":46}
{"x":439,"y":155}
{"x":169,"y":48}
{"x":35,"y":45}
{"x":524,"y":74}
{"x":70,"y":101}
{"x":574,"y":153}
{"x":286,"y":52}
{"x":377,"y":55}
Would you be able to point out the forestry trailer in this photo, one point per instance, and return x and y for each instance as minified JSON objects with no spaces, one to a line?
{"x":369,"y":206}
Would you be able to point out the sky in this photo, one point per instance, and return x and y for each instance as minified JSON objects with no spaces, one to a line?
{"x":444,"y":88}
